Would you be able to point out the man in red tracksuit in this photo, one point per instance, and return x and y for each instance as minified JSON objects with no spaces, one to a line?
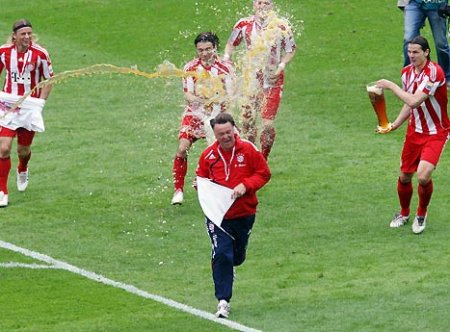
{"x":238,"y":165}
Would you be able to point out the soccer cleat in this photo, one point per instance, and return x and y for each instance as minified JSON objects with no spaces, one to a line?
{"x":178,"y":197}
{"x":419,"y":224}
{"x":3,"y":199}
{"x":398,"y":220}
{"x":223,"y":309}
{"x":22,"y":180}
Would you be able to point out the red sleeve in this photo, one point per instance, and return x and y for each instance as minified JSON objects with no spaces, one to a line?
{"x":261,"y":174}
{"x":236,"y":34}
{"x":202,"y":167}
{"x":1,"y":67}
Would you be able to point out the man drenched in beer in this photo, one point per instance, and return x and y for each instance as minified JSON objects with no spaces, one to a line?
{"x":424,"y":94}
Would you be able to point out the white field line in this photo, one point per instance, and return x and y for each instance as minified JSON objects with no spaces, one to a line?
{"x":129,"y":288}
{"x":27,"y":266}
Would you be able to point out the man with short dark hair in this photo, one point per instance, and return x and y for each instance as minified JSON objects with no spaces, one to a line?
{"x":235,"y":164}
{"x":424,"y":94}
{"x":205,"y":89}
{"x":415,"y":14}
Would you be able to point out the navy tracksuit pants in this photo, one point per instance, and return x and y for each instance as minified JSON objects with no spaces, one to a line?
{"x":229,"y":247}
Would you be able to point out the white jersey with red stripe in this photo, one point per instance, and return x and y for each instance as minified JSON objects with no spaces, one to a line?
{"x":431,"y":116}
{"x":277,"y":34}
{"x":212,"y":83}
{"x":24,"y":70}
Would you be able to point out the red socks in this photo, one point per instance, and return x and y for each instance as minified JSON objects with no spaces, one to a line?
{"x":405,"y":191}
{"x":179,"y":172}
{"x":425,"y":193}
{"x":5,"y":167}
{"x":23,"y":163}
{"x":267,"y":138}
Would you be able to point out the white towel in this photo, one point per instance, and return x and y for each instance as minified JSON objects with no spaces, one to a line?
{"x":215,"y":200}
{"x":28,"y":115}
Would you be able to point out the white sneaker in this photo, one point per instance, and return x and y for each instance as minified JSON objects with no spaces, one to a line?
{"x":223,"y":309}
{"x":22,"y":180}
{"x":398,"y":220}
{"x":419,"y":224}
{"x":178,"y":197}
{"x":3,"y":199}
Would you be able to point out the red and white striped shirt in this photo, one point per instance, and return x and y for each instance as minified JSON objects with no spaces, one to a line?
{"x":431,"y":116}
{"x":216,"y":79}
{"x":279,"y":36}
{"x":24,"y":70}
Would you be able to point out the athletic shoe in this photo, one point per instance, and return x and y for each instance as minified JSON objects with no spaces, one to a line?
{"x":22,"y":180}
{"x":3,"y":199}
{"x":178,"y":197}
{"x":398,"y":220}
{"x":223,"y":309}
{"x":419,"y":224}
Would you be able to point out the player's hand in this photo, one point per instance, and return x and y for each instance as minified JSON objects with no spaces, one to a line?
{"x":228,"y":62}
{"x":4,"y":107}
{"x":382,"y":130}
{"x":227,"y":59}
{"x":276,"y":74}
{"x":239,"y":191}
{"x":274,"y":77}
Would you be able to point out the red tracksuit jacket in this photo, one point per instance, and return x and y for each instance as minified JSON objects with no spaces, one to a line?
{"x":247,"y":166}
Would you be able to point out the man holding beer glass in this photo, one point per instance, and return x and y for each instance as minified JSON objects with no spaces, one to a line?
{"x":424,"y":95}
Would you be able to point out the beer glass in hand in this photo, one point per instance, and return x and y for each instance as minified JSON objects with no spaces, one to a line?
{"x":376,"y":96}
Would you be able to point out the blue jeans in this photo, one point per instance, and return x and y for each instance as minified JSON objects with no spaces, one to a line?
{"x":229,"y":248}
{"x":415,"y":17}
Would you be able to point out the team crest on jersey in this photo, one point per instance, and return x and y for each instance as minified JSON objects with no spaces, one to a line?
{"x":240,"y":158}
{"x":30,"y":67}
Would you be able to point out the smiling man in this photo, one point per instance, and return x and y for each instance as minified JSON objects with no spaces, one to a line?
{"x":236,"y":164}
{"x":26,"y":65}
{"x":424,"y":94}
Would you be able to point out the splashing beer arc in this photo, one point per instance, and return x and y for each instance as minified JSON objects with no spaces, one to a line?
{"x":166,"y":69}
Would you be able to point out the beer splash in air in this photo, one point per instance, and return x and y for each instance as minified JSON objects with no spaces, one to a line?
{"x":257,"y":67}
{"x":213,"y":89}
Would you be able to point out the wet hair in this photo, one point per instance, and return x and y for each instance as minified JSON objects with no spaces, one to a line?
{"x":22,"y":23}
{"x":222,"y":118}
{"x":423,"y":43}
{"x":205,"y":37}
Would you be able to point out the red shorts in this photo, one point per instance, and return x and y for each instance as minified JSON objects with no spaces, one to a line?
{"x":24,"y":136}
{"x":192,"y":128}
{"x":272,"y":98}
{"x":419,"y":147}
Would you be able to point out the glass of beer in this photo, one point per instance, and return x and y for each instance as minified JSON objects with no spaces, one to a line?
{"x":376,"y":96}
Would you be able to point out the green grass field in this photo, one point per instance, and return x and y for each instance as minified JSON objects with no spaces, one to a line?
{"x":321,"y":257}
